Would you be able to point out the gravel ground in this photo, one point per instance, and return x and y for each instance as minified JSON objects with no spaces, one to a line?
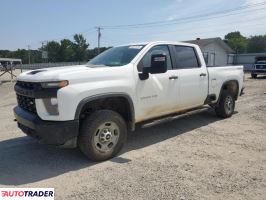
{"x":196,"y":157}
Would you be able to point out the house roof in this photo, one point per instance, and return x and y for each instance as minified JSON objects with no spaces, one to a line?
{"x":207,"y":41}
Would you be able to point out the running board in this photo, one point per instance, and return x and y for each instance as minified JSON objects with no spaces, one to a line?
{"x":173,"y":117}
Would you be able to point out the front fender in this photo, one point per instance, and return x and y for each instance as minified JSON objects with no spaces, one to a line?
{"x":87,"y":100}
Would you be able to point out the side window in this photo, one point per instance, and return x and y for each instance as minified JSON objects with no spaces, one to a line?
{"x":186,"y":57}
{"x":160,"y":49}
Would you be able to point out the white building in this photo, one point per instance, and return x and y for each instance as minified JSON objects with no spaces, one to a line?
{"x":216,"y":52}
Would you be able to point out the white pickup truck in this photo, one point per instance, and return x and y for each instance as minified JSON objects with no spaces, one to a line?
{"x":94,"y":105}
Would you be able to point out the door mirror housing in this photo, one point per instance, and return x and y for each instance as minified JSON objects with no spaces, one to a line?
{"x":158,"y":64}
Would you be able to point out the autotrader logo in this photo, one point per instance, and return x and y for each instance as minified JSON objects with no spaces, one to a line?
{"x":26,"y":193}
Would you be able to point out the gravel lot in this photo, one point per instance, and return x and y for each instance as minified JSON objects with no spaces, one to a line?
{"x":196,"y":157}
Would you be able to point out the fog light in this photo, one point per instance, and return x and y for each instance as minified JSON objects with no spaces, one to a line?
{"x":54,"y":101}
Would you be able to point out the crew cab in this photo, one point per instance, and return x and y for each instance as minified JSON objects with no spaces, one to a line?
{"x":93,"y":106}
{"x":259,"y":67}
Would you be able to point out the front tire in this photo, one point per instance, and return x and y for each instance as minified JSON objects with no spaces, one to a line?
{"x":254,"y":75}
{"x":102,"y":135}
{"x":226,"y":105}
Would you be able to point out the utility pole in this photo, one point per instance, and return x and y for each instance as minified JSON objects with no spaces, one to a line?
{"x":29,"y":53}
{"x":43,"y":60}
{"x":99,"y":37}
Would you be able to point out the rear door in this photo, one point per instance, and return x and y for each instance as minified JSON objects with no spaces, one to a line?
{"x":192,"y":76}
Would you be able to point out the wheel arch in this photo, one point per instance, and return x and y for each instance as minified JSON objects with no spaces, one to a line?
{"x":128,"y":114}
{"x":232,"y":85}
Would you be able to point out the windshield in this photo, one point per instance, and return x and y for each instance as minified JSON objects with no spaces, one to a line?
{"x":261,"y":62}
{"x":117,"y":56}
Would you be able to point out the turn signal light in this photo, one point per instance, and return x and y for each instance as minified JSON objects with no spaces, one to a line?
{"x":55,"y":84}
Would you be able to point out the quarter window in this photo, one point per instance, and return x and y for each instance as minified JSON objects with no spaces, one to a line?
{"x":160,"y":49}
{"x":186,"y":57}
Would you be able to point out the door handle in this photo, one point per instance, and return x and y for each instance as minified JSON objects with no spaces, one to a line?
{"x":173,"y":77}
{"x":203,"y":74}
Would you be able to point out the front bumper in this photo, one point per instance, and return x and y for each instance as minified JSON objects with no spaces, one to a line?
{"x":258,"y":71}
{"x":59,"y":133}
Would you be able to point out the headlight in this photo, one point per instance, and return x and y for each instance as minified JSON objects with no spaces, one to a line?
{"x":54,"y":84}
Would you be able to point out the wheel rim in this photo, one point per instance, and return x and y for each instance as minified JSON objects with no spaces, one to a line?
{"x":106,"y":137}
{"x":228,"y":105}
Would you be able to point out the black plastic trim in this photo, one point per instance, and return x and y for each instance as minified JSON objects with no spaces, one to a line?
{"x":210,"y":98}
{"x":242,"y":91}
{"x":37,"y":93}
{"x":225,"y":84}
{"x":173,"y":56}
{"x":48,"y":132}
{"x":143,"y":76}
{"x":107,"y":95}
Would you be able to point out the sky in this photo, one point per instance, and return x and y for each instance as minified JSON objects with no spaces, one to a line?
{"x":29,"y":22}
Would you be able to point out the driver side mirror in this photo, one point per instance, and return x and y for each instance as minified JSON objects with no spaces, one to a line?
{"x":158,"y":64}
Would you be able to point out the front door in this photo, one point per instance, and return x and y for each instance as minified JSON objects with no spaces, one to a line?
{"x":157,"y":95}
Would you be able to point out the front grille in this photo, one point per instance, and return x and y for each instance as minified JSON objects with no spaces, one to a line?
{"x":28,"y":85}
{"x":27,"y":103}
{"x":261,"y":67}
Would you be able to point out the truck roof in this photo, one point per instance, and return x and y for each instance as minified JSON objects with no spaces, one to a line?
{"x":158,"y":43}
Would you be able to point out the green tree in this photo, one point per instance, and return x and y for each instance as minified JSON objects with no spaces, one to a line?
{"x":36,"y":56}
{"x":80,"y":47}
{"x":23,"y":54}
{"x":53,"y":49}
{"x":257,"y":44}
{"x":4,"y":53}
{"x":63,"y":51}
{"x":237,"y":41}
{"x":66,"y":52}
{"x":91,"y":53}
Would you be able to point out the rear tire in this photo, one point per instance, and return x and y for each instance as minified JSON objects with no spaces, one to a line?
{"x":102,"y":135}
{"x":226,"y":105}
{"x":254,"y":75}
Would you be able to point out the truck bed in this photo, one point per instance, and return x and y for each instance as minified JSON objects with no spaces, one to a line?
{"x":220,"y":75}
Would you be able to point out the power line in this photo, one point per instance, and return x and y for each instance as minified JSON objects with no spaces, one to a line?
{"x":194,"y":18}
{"x":90,"y":30}
{"x":211,"y":31}
{"x":174,"y":21}
{"x":197,"y":27}
{"x":221,"y":27}
{"x":209,"y":17}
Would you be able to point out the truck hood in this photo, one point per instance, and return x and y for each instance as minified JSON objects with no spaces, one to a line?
{"x":71,"y":73}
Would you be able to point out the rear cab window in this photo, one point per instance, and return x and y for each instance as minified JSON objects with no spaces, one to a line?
{"x":186,"y":57}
